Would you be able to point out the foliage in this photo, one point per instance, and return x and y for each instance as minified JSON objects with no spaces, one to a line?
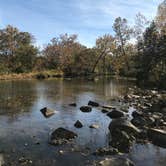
{"x":138,"y":51}
{"x":16,"y":50}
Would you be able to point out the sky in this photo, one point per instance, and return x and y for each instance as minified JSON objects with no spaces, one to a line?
{"x":89,"y":19}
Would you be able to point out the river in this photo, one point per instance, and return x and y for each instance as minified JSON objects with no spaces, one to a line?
{"x":24,"y":132}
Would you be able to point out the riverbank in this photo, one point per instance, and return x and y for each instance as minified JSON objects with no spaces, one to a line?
{"x":32,"y":75}
{"x":56,"y":74}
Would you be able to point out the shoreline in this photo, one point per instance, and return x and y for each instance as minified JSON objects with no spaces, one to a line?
{"x":55,"y":74}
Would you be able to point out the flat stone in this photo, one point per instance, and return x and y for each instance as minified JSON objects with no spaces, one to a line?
{"x":94,"y":126}
{"x":47,"y":112}
{"x":157,"y":136}
{"x":108,"y":107}
{"x":116,"y":161}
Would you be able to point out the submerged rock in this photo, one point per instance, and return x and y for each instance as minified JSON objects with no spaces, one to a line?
{"x":157,"y":136}
{"x":116,"y":161}
{"x":47,"y":112}
{"x":73,"y":104}
{"x":92,"y":103}
{"x":106,"y":151}
{"x":86,"y":109}
{"x":62,"y":136}
{"x":115,"y":114}
{"x":78,"y":124}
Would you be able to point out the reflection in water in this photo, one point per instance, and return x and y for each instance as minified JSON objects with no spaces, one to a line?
{"x":16,"y":97}
{"x":22,"y":125}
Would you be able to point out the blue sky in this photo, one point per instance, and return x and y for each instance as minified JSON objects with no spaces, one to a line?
{"x":89,"y":19}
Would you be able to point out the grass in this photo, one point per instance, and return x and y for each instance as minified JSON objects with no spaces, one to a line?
{"x":32,"y":75}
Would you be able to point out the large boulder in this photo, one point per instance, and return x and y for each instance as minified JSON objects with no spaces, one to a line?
{"x":123,"y":134}
{"x":86,"y":109}
{"x":92,"y":103}
{"x":62,"y":136}
{"x":116,"y":161}
{"x":47,"y":112}
{"x":123,"y":124}
{"x":157,"y":136}
{"x":115,"y":114}
{"x":122,"y":141}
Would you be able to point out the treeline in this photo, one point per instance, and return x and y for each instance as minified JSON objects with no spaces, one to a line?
{"x":138,"y":51}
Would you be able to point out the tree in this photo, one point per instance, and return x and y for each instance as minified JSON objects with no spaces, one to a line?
{"x":15,"y":46}
{"x":122,"y":35}
{"x":62,"y":52}
{"x":161,"y":16}
{"x":141,"y":23}
{"x":104,"y":46}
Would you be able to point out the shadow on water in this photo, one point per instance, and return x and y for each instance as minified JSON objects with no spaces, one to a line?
{"x":25,"y":132}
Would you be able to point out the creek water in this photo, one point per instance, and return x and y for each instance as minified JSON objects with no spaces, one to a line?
{"x":24,"y":132}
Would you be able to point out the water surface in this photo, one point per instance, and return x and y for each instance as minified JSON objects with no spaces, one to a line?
{"x":22,"y":126}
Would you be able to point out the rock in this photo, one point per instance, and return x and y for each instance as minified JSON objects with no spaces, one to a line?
{"x":139,"y":121}
{"x":122,"y":141}
{"x":47,"y":112}
{"x":73,"y":104}
{"x":123,"y":124}
{"x":62,"y":136}
{"x":106,"y":151}
{"x":136,"y":114}
{"x":94,"y":126}
{"x":61,"y":152}
{"x":150,"y":121}
{"x":25,"y":161}
{"x":125,"y":109}
{"x":86,"y":109}
{"x":123,"y":134}
{"x":104,"y":111}
{"x":108,"y":107}
{"x":115,"y":114}
{"x":159,"y":106}
{"x":78,"y":124}
{"x":157,"y":136}
{"x":116,"y":161}
{"x":92,"y":103}
{"x":148,"y":104}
